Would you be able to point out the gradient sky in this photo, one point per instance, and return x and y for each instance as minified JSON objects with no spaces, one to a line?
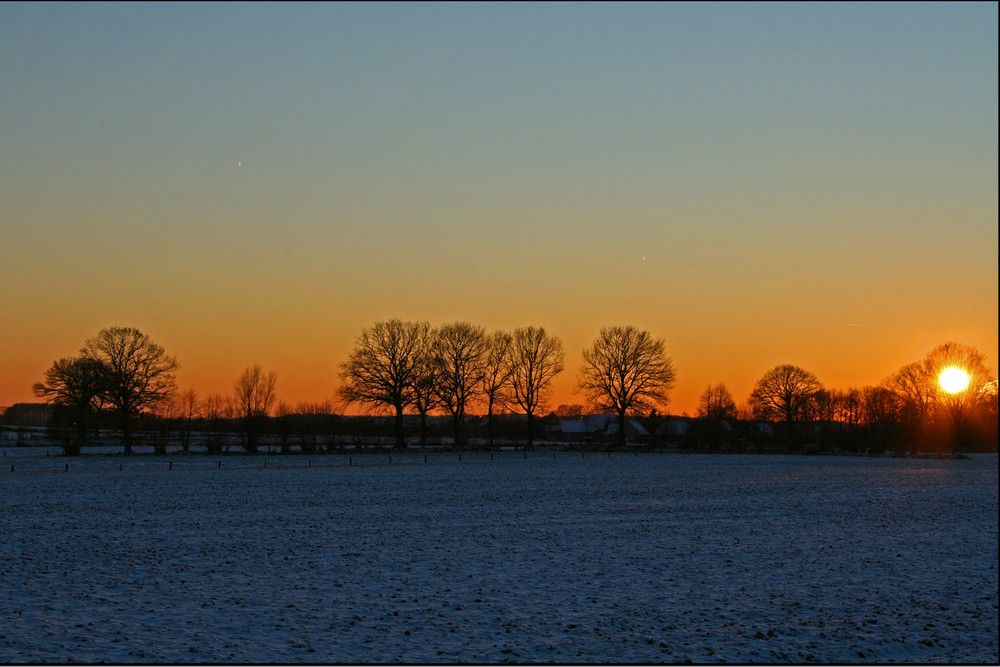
{"x":756,"y":184}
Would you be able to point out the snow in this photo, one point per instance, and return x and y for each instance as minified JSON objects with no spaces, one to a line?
{"x":555,"y":557}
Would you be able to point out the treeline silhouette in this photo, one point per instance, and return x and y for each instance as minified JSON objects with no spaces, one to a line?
{"x":458,"y":385}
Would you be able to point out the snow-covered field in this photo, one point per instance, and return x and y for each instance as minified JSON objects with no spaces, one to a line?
{"x":554,"y":558}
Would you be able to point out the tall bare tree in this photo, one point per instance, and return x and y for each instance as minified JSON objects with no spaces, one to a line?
{"x":424,"y":384}
{"x":459,"y":351}
{"x":628,"y":371}
{"x":75,"y":383}
{"x":382,"y":368}
{"x":496,"y":376}
{"x":787,"y":393}
{"x":139,"y":374}
{"x":535,"y":359}
{"x":253,"y":393}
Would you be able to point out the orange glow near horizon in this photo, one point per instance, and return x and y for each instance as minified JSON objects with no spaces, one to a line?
{"x":507,"y":165}
{"x":307,"y":361}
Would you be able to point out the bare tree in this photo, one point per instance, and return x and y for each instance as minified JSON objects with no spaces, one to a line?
{"x":847,"y":409}
{"x":924,"y":401}
{"x":306,"y":426}
{"x":286,"y":423}
{"x":189,"y":407}
{"x":217,"y":410}
{"x":717,"y":403}
{"x":566,"y":411}
{"x":914,"y":393}
{"x":744,"y":412}
{"x":167,"y":413}
{"x":253,"y":393}
{"x":496,"y":376}
{"x":717,"y":413}
{"x":314,"y":420}
{"x":786,"y":393}
{"x":424,"y":385}
{"x":628,"y":371}
{"x":535,"y":359}
{"x":139,"y":375}
{"x":879,"y":414}
{"x":459,"y":351}
{"x":75,"y":383}
{"x":382,"y":368}
{"x":969,"y":360}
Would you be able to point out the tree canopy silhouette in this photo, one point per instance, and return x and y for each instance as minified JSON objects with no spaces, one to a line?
{"x":928,"y":412}
{"x":75,"y":383}
{"x":716,"y":403}
{"x":459,"y":351}
{"x":785,"y":393}
{"x":627,"y":371}
{"x":536,"y":357}
{"x":138,"y":373}
{"x":496,"y":376}
{"x":383,"y":367}
{"x":253,"y":394}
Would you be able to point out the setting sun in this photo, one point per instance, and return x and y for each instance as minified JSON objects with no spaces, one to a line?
{"x":953,"y":380}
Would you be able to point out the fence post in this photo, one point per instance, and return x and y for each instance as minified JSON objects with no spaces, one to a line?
{"x":220,"y":465}
{"x":350,"y":461}
{"x":120,"y":468}
{"x":460,"y":457}
{"x":170,"y":465}
{"x":67,"y":467}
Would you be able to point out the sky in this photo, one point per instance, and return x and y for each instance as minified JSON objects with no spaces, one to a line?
{"x":756,"y":184}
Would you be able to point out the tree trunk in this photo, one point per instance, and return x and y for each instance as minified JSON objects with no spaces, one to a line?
{"x":621,"y":429}
{"x":489,"y":426}
{"x":489,"y":420}
{"x":126,"y":433}
{"x":423,"y":429}
{"x":531,"y":439}
{"x":400,"y":438}
{"x":81,"y":432}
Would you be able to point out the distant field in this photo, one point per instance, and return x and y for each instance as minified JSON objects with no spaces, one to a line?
{"x":554,"y":557}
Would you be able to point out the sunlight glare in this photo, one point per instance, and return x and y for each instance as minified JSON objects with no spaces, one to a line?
{"x":953,"y":380}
